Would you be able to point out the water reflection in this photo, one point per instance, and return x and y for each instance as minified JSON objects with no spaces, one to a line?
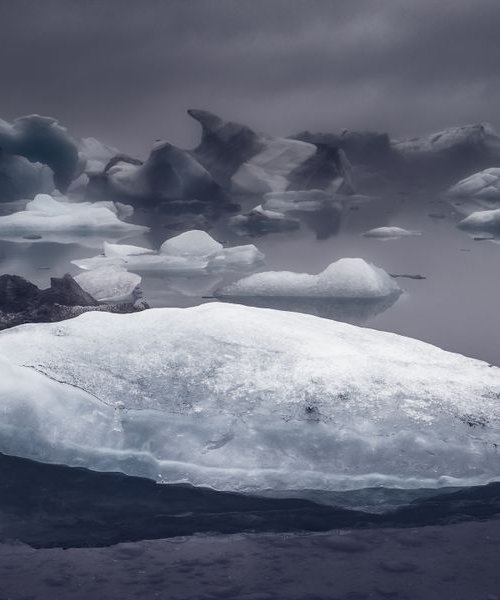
{"x":356,"y":311}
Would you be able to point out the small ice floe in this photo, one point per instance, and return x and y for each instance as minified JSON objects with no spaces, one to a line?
{"x":390,"y":233}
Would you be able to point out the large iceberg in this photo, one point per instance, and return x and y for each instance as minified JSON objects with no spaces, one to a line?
{"x":189,"y":252}
{"x":43,"y":140}
{"x":247,"y":399}
{"x":253,"y":163}
{"x":49,"y":219}
{"x":168,"y":174}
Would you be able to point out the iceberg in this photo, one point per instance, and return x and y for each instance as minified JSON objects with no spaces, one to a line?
{"x":189,"y":252}
{"x":253,"y":163}
{"x":67,"y":222}
{"x":260,"y":221}
{"x":191,"y":243}
{"x":41,"y":139}
{"x":349,"y":290}
{"x":112,"y":283}
{"x":483,"y":221}
{"x":268,"y":170}
{"x":484,"y":185}
{"x":345,"y":278}
{"x":247,"y":399}
{"x":390,"y":233}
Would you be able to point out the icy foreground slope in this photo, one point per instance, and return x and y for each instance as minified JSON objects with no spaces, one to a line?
{"x":241,"y":398}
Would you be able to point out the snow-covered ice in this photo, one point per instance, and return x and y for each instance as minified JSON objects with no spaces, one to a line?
{"x":112,"y":283}
{"x":390,"y":233}
{"x":67,"y":222}
{"x":345,"y":278}
{"x":247,"y":399}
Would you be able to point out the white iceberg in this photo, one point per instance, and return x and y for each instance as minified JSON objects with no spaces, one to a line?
{"x":484,"y":185}
{"x":191,"y":243}
{"x":247,"y":399}
{"x":483,"y":221}
{"x":345,"y":278}
{"x":191,"y":251}
{"x":390,"y":233}
{"x":66,"y":222}
{"x":260,"y":221}
{"x":111,"y":283}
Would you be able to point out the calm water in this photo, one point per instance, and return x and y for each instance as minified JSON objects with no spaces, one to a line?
{"x":455,"y":307}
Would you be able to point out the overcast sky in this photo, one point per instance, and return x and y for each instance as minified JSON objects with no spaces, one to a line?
{"x":126,"y":70}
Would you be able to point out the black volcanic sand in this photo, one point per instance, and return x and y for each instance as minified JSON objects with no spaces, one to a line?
{"x":49,"y":506}
{"x":454,"y":562}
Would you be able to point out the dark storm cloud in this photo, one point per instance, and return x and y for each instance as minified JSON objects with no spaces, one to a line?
{"x":126,"y":70}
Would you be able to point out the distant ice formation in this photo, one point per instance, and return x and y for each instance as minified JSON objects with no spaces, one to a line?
{"x":252,"y":163}
{"x":247,"y":399}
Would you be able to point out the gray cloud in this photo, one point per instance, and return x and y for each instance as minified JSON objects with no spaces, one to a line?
{"x":126,"y":71}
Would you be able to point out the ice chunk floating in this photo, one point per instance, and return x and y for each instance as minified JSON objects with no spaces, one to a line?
{"x":66,"y":222}
{"x":190,"y":252}
{"x":247,"y":399}
{"x":390,"y":233}
{"x":345,"y":278}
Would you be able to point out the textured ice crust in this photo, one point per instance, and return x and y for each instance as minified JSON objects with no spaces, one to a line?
{"x":248,"y":399}
{"x":345,"y":278}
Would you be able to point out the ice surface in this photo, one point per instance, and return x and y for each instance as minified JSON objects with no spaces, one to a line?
{"x":267,"y":171}
{"x":487,"y":221}
{"x":112,"y":283}
{"x":247,"y":399}
{"x":191,"y":251}
{"x":345,"y":278}
{"x":389,"y":233}
{"x":484,"y":185}
{"x":65,"y":222}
